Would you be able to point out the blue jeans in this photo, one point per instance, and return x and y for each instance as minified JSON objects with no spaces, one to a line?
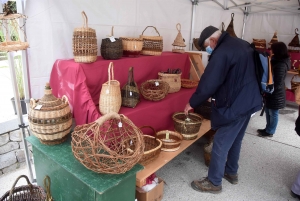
{"x":226,"y":149}
{"x":272,"y":120}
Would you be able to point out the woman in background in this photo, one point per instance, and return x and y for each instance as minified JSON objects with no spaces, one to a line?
{"x":280,"y":62}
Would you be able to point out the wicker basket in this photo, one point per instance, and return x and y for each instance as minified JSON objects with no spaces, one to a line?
{"x":154,"y":90}
{"x":130,"y":93}
{"x":186,"y":83}
{"x":188,"y":126}
{"x":294,"y":45}
{"x":132,"y":47}
{"x":179,"y":45}
{"x":111,"y":48}
{"x":294,"y":84}
{"x":153,"y":45}
{"x":174,"y":81}
{"x":28,"y":192}
{"x":110,"y":96}
{"x":230,"y":28}
{"x":152,"y":147}
{"x":53,"y":121}
{"x":105,"y":146}
{"x":84,"y":43}
{"x":171,"y":140}
{"x":260,"y":43}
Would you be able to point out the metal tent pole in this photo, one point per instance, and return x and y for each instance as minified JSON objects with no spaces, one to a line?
{"x":245,"y":20}
{"x":194,"y":3}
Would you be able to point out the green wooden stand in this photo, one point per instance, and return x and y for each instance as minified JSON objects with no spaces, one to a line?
{"x":70,"y":180}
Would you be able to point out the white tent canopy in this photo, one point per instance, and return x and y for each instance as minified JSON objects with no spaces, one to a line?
{"x":51,"y":23}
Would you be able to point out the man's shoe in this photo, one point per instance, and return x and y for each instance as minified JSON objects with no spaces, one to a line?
{"x":261,"y":130}
{"x":231,"y":178}
{"x":294,"y":195}
{"x":265,"y":134}
{"x":204,"y":185}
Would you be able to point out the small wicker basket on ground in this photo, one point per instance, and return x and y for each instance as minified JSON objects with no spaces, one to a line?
{"x":50,"y":118}
{"x":132,"y":47}
{"x":152,"y":45}
{"x":152,"y":147}
{"x":106,"y":145}
{"x":174,"y":81}
{"x":84,"y":43}
{"x":171,"y":140}
{"x":186,"y":83}
{"x":188,"y":126}
{"x":28,"y":192}
{"x":154,"y":90}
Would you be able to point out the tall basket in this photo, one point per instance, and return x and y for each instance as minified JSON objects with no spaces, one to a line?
{"x":111,"y":48}
{"x":84,"y":43}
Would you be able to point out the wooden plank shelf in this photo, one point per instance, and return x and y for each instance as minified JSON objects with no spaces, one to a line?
{"x":165,"y":157}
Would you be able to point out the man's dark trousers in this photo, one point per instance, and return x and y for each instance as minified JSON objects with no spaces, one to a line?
{"x":226,"y":149}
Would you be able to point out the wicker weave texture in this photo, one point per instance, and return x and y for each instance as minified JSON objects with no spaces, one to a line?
{"x":110,"y":96}
{"x":84,"y":43}
{"x":154,"y":90}
{"x":188,"y":126}
{"x":105,"y":146}
{"x":152,"y":45}
{"x":171,"y":140}
{"x":294,"y":84}
{"x":174,"y":81}
{"x":186,"y":83}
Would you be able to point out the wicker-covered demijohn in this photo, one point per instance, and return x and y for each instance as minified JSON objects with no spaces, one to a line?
{"x":188,"y":126}
{"x":28,"y":192}
{"x":84,"y":43}
{"x":50,"y":118}
{"x":130,"y":93}
{"x":178,"y":45}
{"x":112,"y":144}
{"x":154,"y":90}
{"x":294,"y":45}
{"x":171,"y":140}
{"x":111,"y":48}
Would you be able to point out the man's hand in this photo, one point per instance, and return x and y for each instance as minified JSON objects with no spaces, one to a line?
{"x":187,"y":108}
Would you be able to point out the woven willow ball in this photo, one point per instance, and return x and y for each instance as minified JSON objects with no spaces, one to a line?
{"x":105,"y":146}
{"x":154,"y":90}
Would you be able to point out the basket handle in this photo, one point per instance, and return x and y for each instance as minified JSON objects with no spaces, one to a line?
{"x":32,"y":103}
{"x":232,"y":15}
{"x":85,"y":19}
{"x":296,"y":31}
{"x":223,"y":26}
{"x":178,"y":27}
{"x":112,"y":31}
{"x":108,"y":116}
{"x":65,"y":99}
{"x":150,"y":128}
{"x":110,"y":72}
{"x":13,"y":187}
{"x":154,"y":28}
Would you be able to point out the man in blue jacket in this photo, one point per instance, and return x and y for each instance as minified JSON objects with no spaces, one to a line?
{"x":229,"y":80}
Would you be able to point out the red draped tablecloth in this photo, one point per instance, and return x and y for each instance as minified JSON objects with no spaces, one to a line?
{"x":82,"y":82}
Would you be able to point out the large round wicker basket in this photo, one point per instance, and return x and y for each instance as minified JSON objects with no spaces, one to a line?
{"x":154,"y":90}
{"x":50,"y":118}
{"x":171,"y":140}
{"x":188,"y":126}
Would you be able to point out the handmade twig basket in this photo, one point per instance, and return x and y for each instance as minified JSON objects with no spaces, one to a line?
{"x":153,"y":45}
{"x":178,"y":45}
{"x":130,"y":93}
{"x":28,"y":192}
{"x":188,"y":126}
{"x":132,"y":47}
{"x":152,"y":147}
{"x":174,"y":81}
{"x":260,"y":43}
{"x":106,"y":145}
{"x":294,"y":45}
{"x":154,"y":90}
{"x":50,"y":118}
{"x":186,"y":83}
{"x":171,"y":140}
{"x":84,"y":43}
{"x":111,"y":48}
{"x":294,"y":84}
{"x":230,"y":28}
{"x":110,"y":96}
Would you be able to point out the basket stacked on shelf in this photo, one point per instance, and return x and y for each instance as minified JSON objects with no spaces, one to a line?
{"x":154,"y":90}
{"x":152,"y":45}
{"x":178,"y":45}
{"x":132,"y":47}
{"x":173,"y":78}
{"x":111,"y":48}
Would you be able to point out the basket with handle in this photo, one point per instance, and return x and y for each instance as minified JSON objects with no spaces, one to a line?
{"x":110,"y":95}
{"x":130,"y":93}
{"x":294,"y":84}
{"x":178,"y":45}
{"x":111,"y":48}
{"x":230,"y":28}
{"x":106,"y":145}
{"x":84,"y":43}
{"x":171,"y":140}
{"x":154,"y":90}
{"x":152,"y":45}
{"x":24,"y":192}
{"x":173,"y":79}
{"x":188,"y":126}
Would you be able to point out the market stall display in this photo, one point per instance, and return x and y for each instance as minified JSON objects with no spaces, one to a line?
{"x":50,"y":118}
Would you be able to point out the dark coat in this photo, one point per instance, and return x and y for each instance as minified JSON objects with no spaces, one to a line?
{"x":229,"y":78}
{"x":276,"y":100}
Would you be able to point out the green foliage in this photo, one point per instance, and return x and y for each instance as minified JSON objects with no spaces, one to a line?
{"x":19,"y":76}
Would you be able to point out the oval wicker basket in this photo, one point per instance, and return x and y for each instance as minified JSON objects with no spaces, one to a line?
{"x":154,"y":90}
{"x":171,"y":140}
{"x":174,"y":81}
{"x":105,"y":146}
{"x":152,"y":147}
{"x":132,"y":47}
{"x":53,"y":121}
{"x":188,"y":128}
{"x":186,"y":83}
